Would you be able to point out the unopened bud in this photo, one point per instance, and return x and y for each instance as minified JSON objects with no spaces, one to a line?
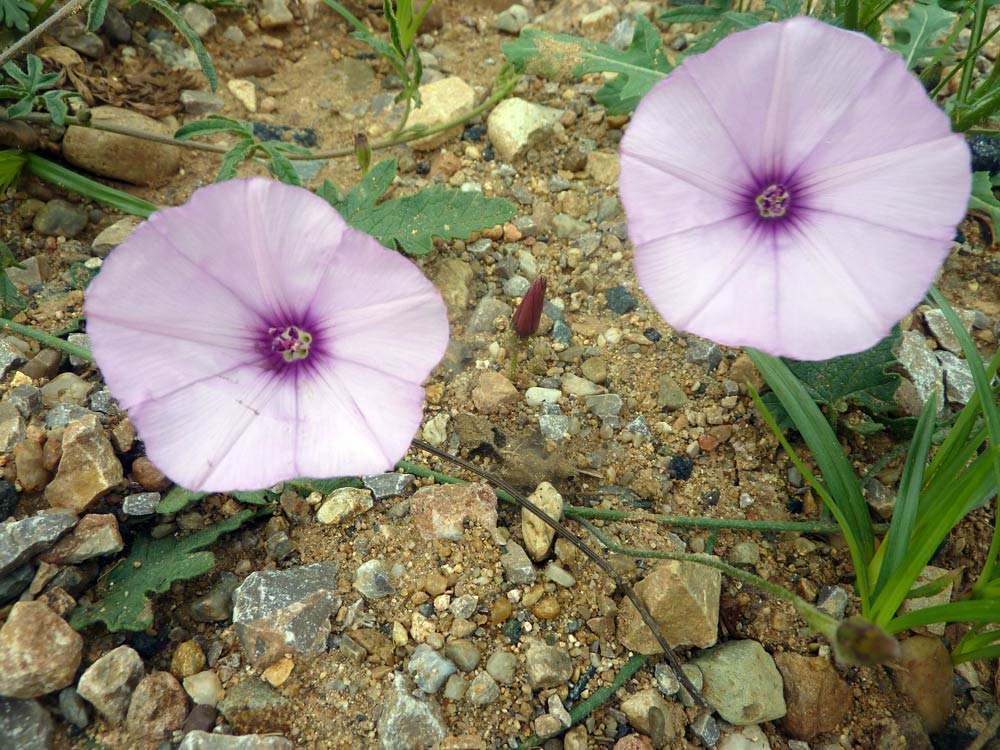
{"x":862,"y":642}
{"x":362,"y":152}
{"x":529,"y":313}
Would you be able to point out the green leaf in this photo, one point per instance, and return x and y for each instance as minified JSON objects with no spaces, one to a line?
{"x":280,"y":166}
{"x":87,"y":187}
{"x":20,"y":108}
{"x":11,"y":301}
{"x":214,"y":124}
{"x":95,"y":14}
{"x":55,"y":104}
{"x":783,"y":9}
{"x":325,"y":486}
{"x":11,"y":164}
{"x":412,"y":222}
{"x":914,"y":36}
{"x":365,"y":193}
{"x":566,"y":57}
{"x":178,"y":499}
{"x":983,"y":199}
{"x":151,"y":567}
{"x":233,"y":157}
{"x":185,"y":30}
{"x":695,"y":13}
{"x":256,"y":497}
{"x":730,"y":22}
{"x":14,"y":13}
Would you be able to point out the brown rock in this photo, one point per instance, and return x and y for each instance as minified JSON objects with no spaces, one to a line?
{"x":538,"y":535}
{"x":96,"y":535}
{"x":45,"y":364}
{"x":683,"y":598}
{"x":39,"y":652}
{"x":640,"y":708}
{"x":440,"y":511}
{"x":29,"y":460}
{"x":924,"y":676}
{"x":816,"y":697}
{"x":454,"y":279}
{"x":159,"y":706}
{"x":88,"y":468}
{"x":108,"y":682}
{"x":122,"y":157}
{"x":188,"y":659}
{"x":150,"y":477}
{"x":493,"y":391}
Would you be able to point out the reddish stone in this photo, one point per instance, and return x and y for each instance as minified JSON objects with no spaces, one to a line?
{"x":441,"y":510}
{"x":815,"y":695}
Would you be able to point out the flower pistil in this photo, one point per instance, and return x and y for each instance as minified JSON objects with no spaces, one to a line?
{"x":772,"y":203}
{"x":291,"y":342}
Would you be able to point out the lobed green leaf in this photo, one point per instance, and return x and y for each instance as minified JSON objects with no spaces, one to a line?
{"x":915,"y":36}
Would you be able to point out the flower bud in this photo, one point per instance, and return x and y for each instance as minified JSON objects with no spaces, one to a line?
{"x":529,"y":312}
{"x":861,"y":642}
{"x":362,"y":152}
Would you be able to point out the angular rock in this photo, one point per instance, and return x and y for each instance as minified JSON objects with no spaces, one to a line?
{"x":941,"y":331}
{"x":430,"y":670}
{"x":274,"y":14}
{"x":920,"y":366}
{"x":517,"y":566}
{"x":21,"y":540}
{"x":59,"y":218}
{"x":12,"y":427}
{"x":547,"y":666}
{"x":198,"y":740}
{"x":640,"y":708}
{"x":486,"y":313}
{"x":122,"y":157}
{"x":492,"y":392}
{"x":742,"y":682}
{"x":371,"y":579}
{"x":683,"y":598}
{"x":95,"y":535}
{"x":66,"y":388}
{"x":409,"y":721}
{"x":115,"y":235}
{"x":345,"y":503}
{"x":10,"y":358}
{"x":25,"y":725}
{"x":204,"y":688}
{"x":538,"y":535}
{"x":483,"y":690}
{"x":199,"y":18}
{"x":388,"y":485}
{"x":516,"y":125}
{"x":815,"y":695}
{"x":141,"y":504}
{"x":109,"y":682}
{"x":88,"y":469}
{"x":278,"y":612}
{"x":39,"y":651}
{"x":958,"y":383}
{"x":440,"y":511}
{"x":925,"y":677}
{"x":201,"y":102}
{"x":442,"y":101}
{"x":217,"y":604}
{"x":512,"y":20}
{"x":454,"y":280}
{"x":158,"y":707}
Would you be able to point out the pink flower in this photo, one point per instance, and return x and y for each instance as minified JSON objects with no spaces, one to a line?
{"x":254,"y":337}
{"x":793,"y":189}
{"x":528,"y":314}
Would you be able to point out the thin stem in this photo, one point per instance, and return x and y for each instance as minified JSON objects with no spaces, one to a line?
{"x":48,"y":339}
{"x":978,"y":22}
{"x":68,"y":9}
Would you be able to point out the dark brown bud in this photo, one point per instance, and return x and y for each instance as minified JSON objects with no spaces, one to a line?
{"x":529,"y":312}
{"x":862,"y":642}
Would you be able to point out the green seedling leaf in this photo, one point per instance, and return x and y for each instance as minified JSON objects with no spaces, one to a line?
{"x":280,"y":165}
{"x":95,"y":14}
{"x":239,"y":153}
{"x":56,"y":106}
{"x":11,"y":301}
{"x":178,"y":499}
{"x":14,"y":13}
{"x":184,"y":29}
{"x":730,"y":22}
{"x":783,"y":9}
{"x":916,"y":34}
{"x":566,"y":57}
{"x":152,"y":565}
{"x":983,"y":199}
{"x":214,"y":124}
{"x":11,"y":164}
{"x":860,"y":380}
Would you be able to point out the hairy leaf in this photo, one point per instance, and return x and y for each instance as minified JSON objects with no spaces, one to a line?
{"x":233,"y":157}
{"x":915,"y":35}
{"x":566,"y":57}
{"x":214,"y":124}
{"x":14,"y":13}
{"x":152,"y":565}
{"x":280,"y":165}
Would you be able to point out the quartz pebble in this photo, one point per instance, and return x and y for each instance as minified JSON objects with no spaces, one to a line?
{"x":39,"y":651}
{"x":108,"y":683}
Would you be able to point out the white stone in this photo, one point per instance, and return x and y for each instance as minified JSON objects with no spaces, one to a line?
{"x":442,"y":101}
{"x":536,"y":396}
{"x":515,"y":125}
{"x":538,"y":535}
{"x":245,"y":93}
{"x":204,"y":688}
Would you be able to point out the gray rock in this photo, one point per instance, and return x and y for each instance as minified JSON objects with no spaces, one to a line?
{"x":158,"y":707}
{"x":115,"y":26}
{"x":74,"y":35}
{"x":561,"y":332}
{"x":251,"y":695}
{"x":553,"y":426}
{"x":512,"y":20}
{"x":199,"y":740}
{"x":10,"y":358}
{"x":66,"y":388}
{"x":548,"y":666}
{"x":61,"y":415}
{"x":430,"y":669}
{"x":386,"y":486}
{"x":199,"y":18}
{"x":109,"y":682}
{"x":60,"y":218}
{"x":25,"y":725}
{"x":463,"y":654}
{"x":488,"y":310}
{"x":409,"y":721}
{"x":559,"y":575}
{"x":39,"y":652}
{"x":115,"y":234}
{"x":517,"y":566}
{"x":12,"y":584}
{"x":620,"y":300}
{"x":80,"y":339}
{"x":200,"y":102}
{"x":500,"y":666}
{"x":12,"y":427}
{"x":706,"y":728}
{"x":942,"y":331}
{"x":703,"y":352}
{"x":73,"y":708}
{"x":274,"y":14}
{"x":22,"y":540}
{"x":464,"y":607}
{"x":742,"y":682}
{"x":141,"y":503}
{"x":483,"y":690}
{"x":516,"y":125}
{"x":958,"y":383}
{"x":920,"y":366}
{"x":568,"y":227}
{"x":27,"y":399}
{"x":233,"y":35}
{"x":173,"y":56}
{"x":371,"y":579}
{"x":621,"y":35}
{"x":278,"y":612}
{"x":516,"y":286}
{"x":9,"y":497}
{"x":880,"y":499}
{"x":217,"y":604}
{"x":833,"y":601}
{"x":605,"y":404}
{"x":96,"y":535}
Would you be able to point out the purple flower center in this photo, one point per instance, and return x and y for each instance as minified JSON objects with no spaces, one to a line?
{"x":291,"y":342}
{"x":772,"y":203}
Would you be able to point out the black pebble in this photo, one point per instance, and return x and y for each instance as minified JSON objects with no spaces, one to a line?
{"x":489,"y":154}
{"x":423,"y":168}
{"x":305,"y":137}
{"x":681,"y":467}
{"x":652,"y":334}
{"x":794,"y":506}
{"x":620,"y":300}
{"x":711,"y":498}
{"x":985,"y":153}
{"x":474,"y":133}
{"x":8,"y":499}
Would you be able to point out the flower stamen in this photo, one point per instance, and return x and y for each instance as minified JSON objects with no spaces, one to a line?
{"x":291,"y":342}
{"x":773,"y":201}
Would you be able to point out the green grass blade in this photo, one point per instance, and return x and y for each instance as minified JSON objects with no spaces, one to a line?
{"x":970,"y":610}
{"x":69,"y":180}
{"x":904,"y":515}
